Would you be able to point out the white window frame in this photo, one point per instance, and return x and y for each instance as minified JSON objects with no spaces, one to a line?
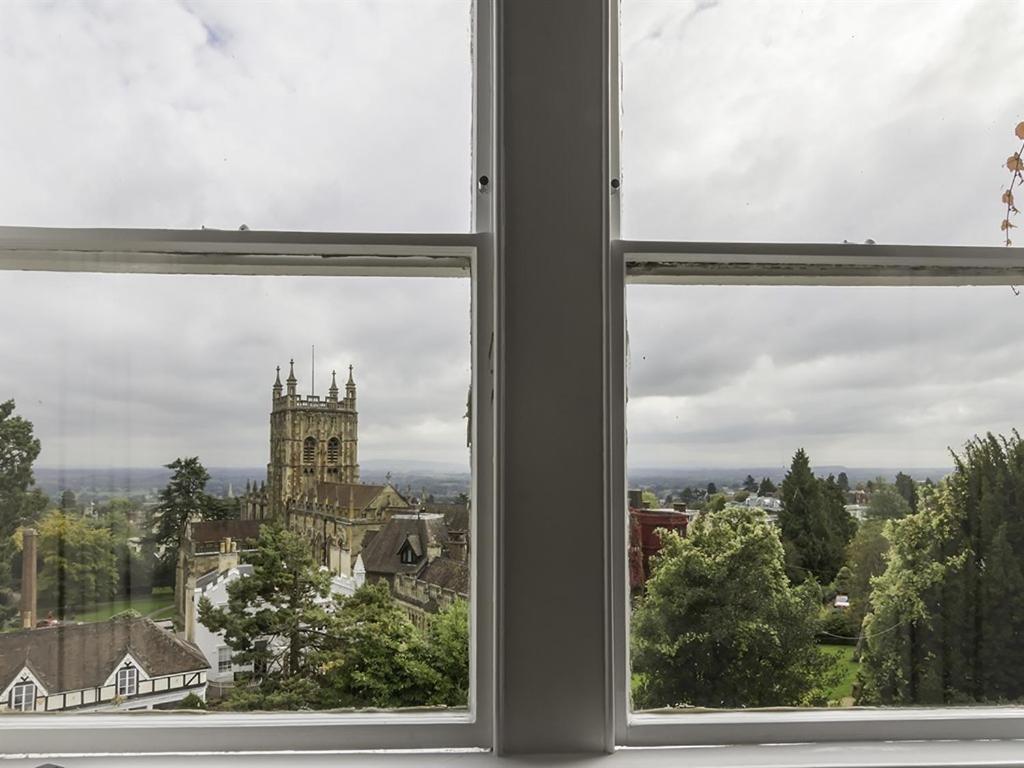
{"x":23,"y":697}
{"x":127,"y":681}
{"x":549,"y":274}
{"x":224,"y":657}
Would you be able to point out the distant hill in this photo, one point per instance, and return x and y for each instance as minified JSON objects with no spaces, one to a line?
{"x":699,"y":477}
{"x":434,"y":478}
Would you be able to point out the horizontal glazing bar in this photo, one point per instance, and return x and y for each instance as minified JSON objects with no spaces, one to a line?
{"x":828,"y":263}
{"x":234,"y":252}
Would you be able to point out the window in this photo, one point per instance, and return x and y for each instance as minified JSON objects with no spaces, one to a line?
{"x":309,"y":450}
{"x":23,"y":697}
{"x":332,"y":450}
{"x":549,"y":391}
{"x":127,"y":681}
{"x":223,"y":659}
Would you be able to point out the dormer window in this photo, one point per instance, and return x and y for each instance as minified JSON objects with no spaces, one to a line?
{"x":23,"y":697}
{"x":408,"y":557}
{"x":127,"y":681}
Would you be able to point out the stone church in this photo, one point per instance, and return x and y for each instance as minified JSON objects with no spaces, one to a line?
{"x":312,"y":481}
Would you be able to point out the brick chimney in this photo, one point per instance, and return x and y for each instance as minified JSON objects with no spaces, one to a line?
{"x":28,"y":578}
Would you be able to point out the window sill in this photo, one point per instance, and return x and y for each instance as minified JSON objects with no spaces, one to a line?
{"x":904,"y":754}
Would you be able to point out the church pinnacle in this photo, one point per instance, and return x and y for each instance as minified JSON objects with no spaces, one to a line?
{"x":332,"y":393}
{"x":277,"y":383}
{"x":291,"y":380}
{"x":350,"y":386}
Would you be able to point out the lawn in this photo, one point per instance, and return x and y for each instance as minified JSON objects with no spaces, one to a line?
{"x":154,"y":604}
{"x":843,"y":692}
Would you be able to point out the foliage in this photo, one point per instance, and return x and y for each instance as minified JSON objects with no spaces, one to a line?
{"x":749,"y":484}
{"x":814,"y":523}
{"x":907,"y":489}
{"x":712,"y":489}
{"x":191,"y":702}
{"x":79,"y":562}
{"x":843,"y":482}
{"x":766,"y":488}
{"x":716,"y":503}
{"x":721,"y":626}
{"x":949,"y":609}
{"x":649,"y":499}
{"x":182,"y":501}
{"x":282,"y":603}
{"x":18,"y":504}
{"x":448,"y":647}
{"x":376,"y":658}
{"x":865,"y":556}
{"x":740,"y":496}
{"x":887,"y":502}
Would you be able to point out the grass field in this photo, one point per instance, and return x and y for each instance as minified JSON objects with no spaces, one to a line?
{"x":155,"y":606}
{"x":843,"y":692}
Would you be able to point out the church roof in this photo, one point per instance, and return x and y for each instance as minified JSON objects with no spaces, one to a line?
{"x":70,"y":657}
{"x":359,"y":495}
{"x":448,"y":574}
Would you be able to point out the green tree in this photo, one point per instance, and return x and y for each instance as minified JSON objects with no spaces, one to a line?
{"x":906,"y":488}
{"x":721,"y":626}
{"x":766,"y":488}
{"x":275,"y":617}
{"x":182,"y":501}
{"x":712,"y":489}
{"x":887,"y":503}
{"x":844,"y":482}
{"x":19,"y":503}
{"x":750,"y":484}
{"x":448,"y":649}
{"x":949,"y":609}
{"x":716,"y":503}
{"x":376,"y":657}
{"x":79,"y":562}
{"x":865,"y":557}
{"x":814,"y":523}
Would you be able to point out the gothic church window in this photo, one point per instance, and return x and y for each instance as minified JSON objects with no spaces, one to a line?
{"x":333,"y":446}
{"x":309,"y":450}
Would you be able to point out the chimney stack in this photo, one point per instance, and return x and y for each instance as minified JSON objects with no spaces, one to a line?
{"x":28,"y":578}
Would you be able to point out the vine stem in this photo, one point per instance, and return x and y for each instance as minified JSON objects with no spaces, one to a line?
{"x":1010,"y":208}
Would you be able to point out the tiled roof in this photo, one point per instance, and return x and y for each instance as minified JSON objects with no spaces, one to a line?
{"x":448,"y":574}
{"x":456,"y":514}
{"x":217,"y":530}
{"x":71,"y":657}
{"x":381,"y":554}
{"x":357,"y":495}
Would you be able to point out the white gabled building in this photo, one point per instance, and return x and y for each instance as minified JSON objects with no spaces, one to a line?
{"x":123,"y":663}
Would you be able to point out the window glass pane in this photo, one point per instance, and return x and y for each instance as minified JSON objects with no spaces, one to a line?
{"x":842,"y":469}
{"x":818,"y":121}
{"x":277,"y":115}
{"x":158,"y":466}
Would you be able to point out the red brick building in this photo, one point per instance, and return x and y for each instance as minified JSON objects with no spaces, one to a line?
{"x":644,"y":541}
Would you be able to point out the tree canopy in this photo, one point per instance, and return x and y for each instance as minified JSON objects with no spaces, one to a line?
{"x":814,"y":523}
{"x":720,"y":625}
{"x":20,"y":504}
{"x":949,"y":609}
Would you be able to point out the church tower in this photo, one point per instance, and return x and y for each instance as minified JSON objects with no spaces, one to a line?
{"x":311,"y":440}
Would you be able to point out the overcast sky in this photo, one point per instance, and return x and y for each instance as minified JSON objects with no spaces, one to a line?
{"x":769,"y":121}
